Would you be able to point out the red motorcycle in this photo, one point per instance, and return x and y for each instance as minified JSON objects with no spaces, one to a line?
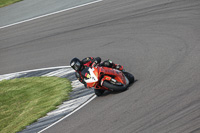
{"x":105,"y":78}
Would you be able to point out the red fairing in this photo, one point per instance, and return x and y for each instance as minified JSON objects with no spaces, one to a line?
{"x":95,"y":76}
{"x":110,"y":71}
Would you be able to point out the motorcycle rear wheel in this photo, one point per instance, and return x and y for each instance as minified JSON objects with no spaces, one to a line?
{"x":130,"y":77}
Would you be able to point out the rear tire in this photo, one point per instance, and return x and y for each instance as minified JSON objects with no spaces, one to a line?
{"x":99,"y":92}
{"x":113,"y":87}
{"x":130,"y":77}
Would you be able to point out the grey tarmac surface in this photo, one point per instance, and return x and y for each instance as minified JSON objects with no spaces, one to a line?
{"x":28,"y":9}
{"x":156,"y":40}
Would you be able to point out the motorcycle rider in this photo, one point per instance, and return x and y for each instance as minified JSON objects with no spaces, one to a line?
{"x":79,"y":65}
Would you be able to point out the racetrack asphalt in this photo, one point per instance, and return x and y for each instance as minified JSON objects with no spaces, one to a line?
{"x":29,"y":9}
{"x":156,"y":40}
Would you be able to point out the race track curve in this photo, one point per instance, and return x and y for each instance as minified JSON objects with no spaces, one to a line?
{"x":156,"y":40}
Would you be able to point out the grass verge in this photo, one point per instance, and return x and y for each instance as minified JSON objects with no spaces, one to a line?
{"x":24,"y":100}
{"x":7,"y":2}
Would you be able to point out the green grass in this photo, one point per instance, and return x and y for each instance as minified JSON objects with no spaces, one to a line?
{"x":7,"y":2}
{"x":24,"y":100}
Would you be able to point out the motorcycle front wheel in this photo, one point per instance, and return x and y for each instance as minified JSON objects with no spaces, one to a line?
{"x":99,"y":92}
{"x":113,"y":87}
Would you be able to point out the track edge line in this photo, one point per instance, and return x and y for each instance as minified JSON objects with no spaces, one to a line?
{"x":75,"y":110}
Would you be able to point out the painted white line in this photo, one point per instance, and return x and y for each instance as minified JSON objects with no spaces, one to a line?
{"x":69,"y":114}
{"x":51,"y":14}
{"x":59,"y":73}
{"x":70,"y":105}
{"x":10,"y":74}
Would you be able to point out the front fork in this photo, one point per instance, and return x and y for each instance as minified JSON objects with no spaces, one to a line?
{"x":112,"y":80}
{"x":105,"y":78}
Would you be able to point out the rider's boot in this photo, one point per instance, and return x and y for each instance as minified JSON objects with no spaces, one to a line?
{"x":109,"y":63}
{"x":119,"y":67}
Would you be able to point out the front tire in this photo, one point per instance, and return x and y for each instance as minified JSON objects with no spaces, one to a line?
{"x":113,"y":87}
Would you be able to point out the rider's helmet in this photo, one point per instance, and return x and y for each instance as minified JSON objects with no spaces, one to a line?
{"x":76,"y":64}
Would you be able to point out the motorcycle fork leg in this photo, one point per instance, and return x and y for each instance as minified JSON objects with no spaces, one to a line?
{"x":105,"y":78}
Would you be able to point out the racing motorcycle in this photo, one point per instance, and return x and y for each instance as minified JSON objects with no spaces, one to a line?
{"x":104,"y":78}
